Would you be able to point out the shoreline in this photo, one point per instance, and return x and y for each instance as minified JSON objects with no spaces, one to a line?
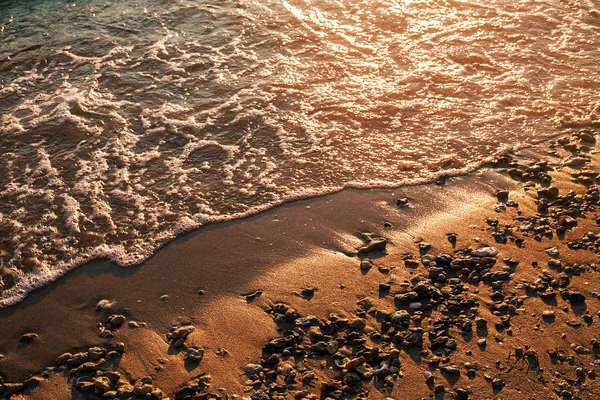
{"x":24,"y":288}
{"x":249,"y":266}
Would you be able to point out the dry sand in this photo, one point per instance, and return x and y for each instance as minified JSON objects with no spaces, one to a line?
{"x":226,"y":280}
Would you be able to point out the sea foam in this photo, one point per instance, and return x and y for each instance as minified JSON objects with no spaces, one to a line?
{"x":123,"y":129}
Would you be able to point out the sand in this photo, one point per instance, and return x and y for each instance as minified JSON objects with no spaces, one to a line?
{"x":225,"y":280}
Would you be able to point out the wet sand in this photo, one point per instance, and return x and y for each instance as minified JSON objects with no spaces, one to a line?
{"x":236,"y":282}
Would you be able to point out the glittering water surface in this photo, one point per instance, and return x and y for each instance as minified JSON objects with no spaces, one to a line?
{"x":125,"y":123}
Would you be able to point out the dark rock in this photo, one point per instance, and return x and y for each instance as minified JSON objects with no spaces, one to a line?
{"x":401,"y":203}
{"x":28,"y":338}
{"x":177,"y":336}
{"x":194,"y":354}
{"x":104,"y":305}
{"x":77,"y":359}
{"x":62,"y":359}
{"x":502,"y":196}
{"x":116,"y":320}
{"x":252,"y":369}
{"x":462,"y":394}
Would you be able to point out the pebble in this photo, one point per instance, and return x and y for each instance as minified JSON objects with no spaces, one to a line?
{"x":252,"y":369}
{"x":308,"y":291}
{"x":116,"y":320}
{"x":178,"y":335}
{"x":104,"y":305}
{"x":194,"y":354}
{"x":451,"y":370}
{"x":402,"y":202}
{"x":548,"y":314}
{"x":553,"y":252}
{"x":429,"y":378}
{"x":377,"y":244}
{"x":28,"y":338}
{"x":365,"y":265}
{"x":502,"y":196}
{"x":485,"y":252}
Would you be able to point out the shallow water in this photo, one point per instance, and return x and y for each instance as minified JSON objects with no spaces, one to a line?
{"x":123,"y":124}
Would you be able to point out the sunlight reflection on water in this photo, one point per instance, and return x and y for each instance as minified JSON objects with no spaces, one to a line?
{"x":125,"y":124}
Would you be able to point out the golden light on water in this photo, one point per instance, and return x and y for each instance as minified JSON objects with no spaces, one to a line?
{"x":192,"y":113}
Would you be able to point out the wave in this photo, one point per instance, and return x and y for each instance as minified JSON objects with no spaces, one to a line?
{"x":123,"y":126}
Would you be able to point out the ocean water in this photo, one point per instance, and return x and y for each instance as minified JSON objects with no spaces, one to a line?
{"x":126,"y":123}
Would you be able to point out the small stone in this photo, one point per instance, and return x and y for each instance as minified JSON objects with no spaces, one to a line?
{"x":451,"y":370}
{"x":519,"y":352}
{"x":77,"y":359}
{"x":548,"y":314}
{"x":377,"y":244}
{"x":102,"y":384}
{"x":178,"y":335}
{"x":358,"y":324}
{"x":424,"y":247}
{"x":113,"y":376}
{"x":134,"y":324}
{"x":498,"y":383}
{"x":555,"y":263}
{"x":104,"y":305}
{"x":502,"y":196}
{"x":402,"y":202}
{"x":142,"y":389}
{"x":308,"y":291}
{"x":576,"y":297}
{"x":195,"y":354}
{"x":62,"y":359}
{"x":28,"y":338}
{"x":307,"y":377}
{"x":252,"y":369}
{"x":116,"y":320}
{"x":462,"y":394}
{"x":156,"y":394}
{"x":125,"y":391}
{"x":8,"y":389}
{"x":553,"y":252}
{"x":365,"y":265}
{"x":32,"y":382}
{"x":120,"y":347}
{"x":429,"y":378}
{"x":95,"y":353}
{"x":86,"y":368}
{"x":332,"y":347}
